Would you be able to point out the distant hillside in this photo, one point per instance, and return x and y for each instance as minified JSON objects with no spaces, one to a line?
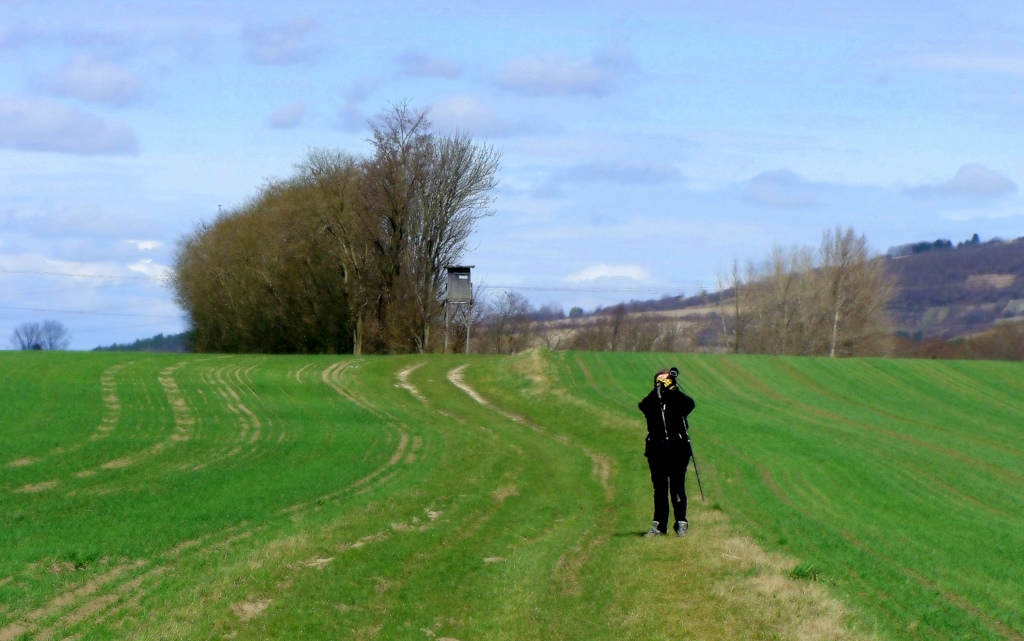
{"x":951,"y":291}
{"x":159,"y":343}
{"x":942,"y":290}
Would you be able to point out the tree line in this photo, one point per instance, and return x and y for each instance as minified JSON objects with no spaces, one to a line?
{"x":346,"y":255}
{"x":828,"y":301}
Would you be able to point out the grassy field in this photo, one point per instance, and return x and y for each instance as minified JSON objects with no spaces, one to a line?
{"x":170,"y":497}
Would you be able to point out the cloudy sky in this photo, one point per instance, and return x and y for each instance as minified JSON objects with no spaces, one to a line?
{"x":644,"y":149}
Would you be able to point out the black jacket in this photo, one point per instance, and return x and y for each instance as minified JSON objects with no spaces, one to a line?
{"x":668,"y":434}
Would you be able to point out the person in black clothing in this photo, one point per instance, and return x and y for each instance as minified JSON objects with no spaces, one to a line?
{"x":668,"y":449}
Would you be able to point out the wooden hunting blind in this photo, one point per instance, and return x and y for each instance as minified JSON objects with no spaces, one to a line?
{"x":458,"y":291}
{"x":460,"y":287}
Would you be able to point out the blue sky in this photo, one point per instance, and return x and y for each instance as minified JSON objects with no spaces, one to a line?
{"x":645,"y":146}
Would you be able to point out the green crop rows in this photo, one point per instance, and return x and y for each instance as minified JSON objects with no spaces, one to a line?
{"x":158,"y":496}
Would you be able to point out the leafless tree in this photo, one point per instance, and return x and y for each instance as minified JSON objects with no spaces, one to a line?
{"x":639,"y":333}
{"x":832,"y":302}
{"x":555,"y":337}
{"x":425,"y":193}
{"x":735,"y":288}
{"x":506,"y":327}
{"x":856,"y":291}
{"x":48,"y":335}
{"x":780,"y":295}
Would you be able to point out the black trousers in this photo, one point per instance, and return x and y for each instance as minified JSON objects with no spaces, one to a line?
{"x":668,"y":475}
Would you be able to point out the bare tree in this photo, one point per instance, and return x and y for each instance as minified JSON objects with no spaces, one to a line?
{"x":856,"y":291}
{"x":780,"y":294}
{"x":27,"y":336}
{"x":48,"y":335}
{"x":425,"y":193}
{"x":555,"y":337}
{"x":736,"y":319}
{"x":638,"y":333}
{"x":506,"y":325}
{"x":829,"y":303}
{"x":55,"y":335}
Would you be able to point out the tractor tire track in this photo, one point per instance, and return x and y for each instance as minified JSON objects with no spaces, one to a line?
{"x":114,"y":592}
{"x":603,"y":467}
{"x":403,"y":381}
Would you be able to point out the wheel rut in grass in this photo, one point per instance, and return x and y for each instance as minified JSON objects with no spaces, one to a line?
{"x":603,"y":466}
{"x":403,"y":380}
{"x":184,"y":424}
{"x":456,"y":378}
{"x":298,"y":372}
{"x":119,"y":593}
{"x":334,"y":377}
{"x":229,"y":384}
{"x":111,"y":401}
{"x":184,"y":419}
{"x":108,"y":421}
{"x":31,"y":621}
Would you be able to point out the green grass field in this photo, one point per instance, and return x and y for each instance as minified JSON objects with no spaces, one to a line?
{"x":445,"y":497}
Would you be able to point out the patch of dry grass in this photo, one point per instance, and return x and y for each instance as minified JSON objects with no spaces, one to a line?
{"x":716,"y":584}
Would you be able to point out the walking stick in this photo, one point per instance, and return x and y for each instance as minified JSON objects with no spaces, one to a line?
{"x":696,"y":470}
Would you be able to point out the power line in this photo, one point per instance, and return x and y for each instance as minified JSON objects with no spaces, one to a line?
{"x":70,"y":275}
{"x":72,"y":311}
{"x":585,"y":289}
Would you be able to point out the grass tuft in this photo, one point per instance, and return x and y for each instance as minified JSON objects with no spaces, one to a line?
{"x":806,"y":572}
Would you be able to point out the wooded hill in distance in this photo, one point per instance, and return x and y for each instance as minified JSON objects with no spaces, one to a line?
{"x":176,"y":343}
{"x":941,"y":290}
{"x":949,"y":292}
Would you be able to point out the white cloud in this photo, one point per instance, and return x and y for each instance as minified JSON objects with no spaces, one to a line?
{"x":88,"y":273}
{"x":554,"y":75}
{"x":145,"y":245}
{"x":780,"y":189}
{"x":595,"y":272}
{"x":41,"y":125}
{"x":421,"y":65}
{"x":147,"y":267}
{"x":287,"y":117}
{"x":92,"y":81}
{"x":281,"y":44}
{"x":970,"y":180}
{"x":468,"y":114}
